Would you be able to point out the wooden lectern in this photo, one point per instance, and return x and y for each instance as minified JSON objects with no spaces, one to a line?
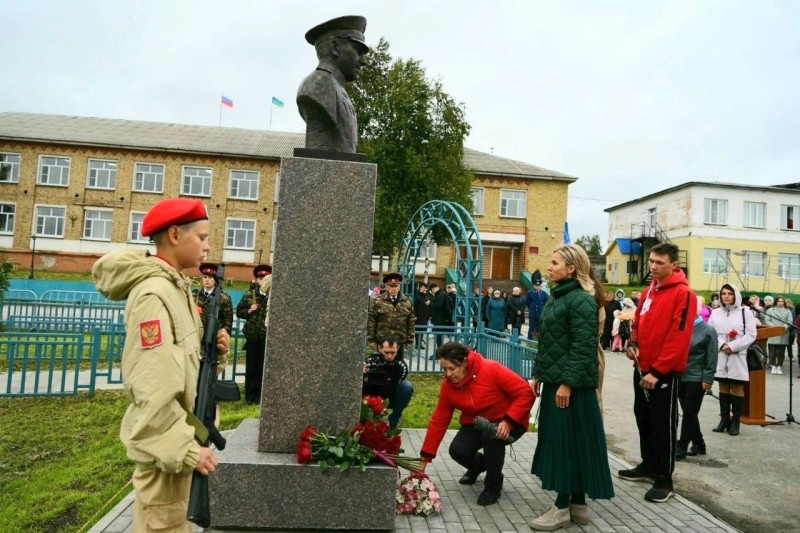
{"x":755,"y":391}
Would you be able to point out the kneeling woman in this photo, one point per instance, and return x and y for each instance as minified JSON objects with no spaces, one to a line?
{"x":571,"y":456}
{"x":478,"y":387}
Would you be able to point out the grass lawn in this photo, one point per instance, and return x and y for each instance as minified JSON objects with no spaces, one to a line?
{"x":61,"y":459}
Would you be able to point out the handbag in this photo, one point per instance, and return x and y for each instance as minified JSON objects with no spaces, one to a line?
{"x":755,"y":353}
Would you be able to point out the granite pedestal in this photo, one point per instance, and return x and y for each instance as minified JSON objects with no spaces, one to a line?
{"x":313,"y":368}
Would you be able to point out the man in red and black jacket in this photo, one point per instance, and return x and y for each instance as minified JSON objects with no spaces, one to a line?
{"x":662,"y":332}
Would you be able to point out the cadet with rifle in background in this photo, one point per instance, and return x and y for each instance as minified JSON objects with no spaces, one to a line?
{"x":203,"y":297}
{"x":253,"y":308}
{"x":161,"y":359}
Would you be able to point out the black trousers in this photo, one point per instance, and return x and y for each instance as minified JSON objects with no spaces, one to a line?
{"x":690,"y":395}
{"x":254,"y":369}
{"x":657,"y":420}
{"x":465,"y":450}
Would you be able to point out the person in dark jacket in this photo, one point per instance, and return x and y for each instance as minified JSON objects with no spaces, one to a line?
{"x":385,"y":376}
{"x":203,"y":296}
{"x":515,"y":310}
{"x":253,"y":308}
{"x":571,"y":457}
{"x":478,"y":387}
{"x":496,"y":312}
{"x":422,"y":310}
{"x":696,"y":380}
{"x":440,"y":315}
{"x":612,"y":305}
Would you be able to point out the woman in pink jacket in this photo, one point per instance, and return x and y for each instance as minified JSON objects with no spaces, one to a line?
{"x":478,"y":387}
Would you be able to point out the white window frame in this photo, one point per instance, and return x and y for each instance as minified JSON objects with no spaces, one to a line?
{"x":754,"y":215}
{"x":233,"y":233}
{"x":477,"y":195}
{"x":714,"y":260}
{"x":652,"y":217}
{"x":795,"y":218}
{"x":750,"y":258}
{"x":277,"y":185}
{"x":59,"y":218}
{"x":53,"y":170}
{"x":98,"y":220}
{"x":194,"y":178}
{"x":148,"y":171}
{"x":135,"y":228}
{"x":715,"y":211}
{"x":11,"y":168}
{"x":106,"y":172}
{"x":8,"y":215}
{"x":246,"y":176}
{"x":788,"y":266}
{"x":521,"y":203}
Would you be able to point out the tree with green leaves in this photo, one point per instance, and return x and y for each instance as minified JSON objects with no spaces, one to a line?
{"x":6,"y":267}
{"x":414,"y":131}
{"x":590,"y":243}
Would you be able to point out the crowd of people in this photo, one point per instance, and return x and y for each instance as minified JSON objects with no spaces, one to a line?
{"x":678,"y":345}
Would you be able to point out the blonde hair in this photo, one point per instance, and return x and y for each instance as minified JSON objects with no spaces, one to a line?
{"x":576,"y":256}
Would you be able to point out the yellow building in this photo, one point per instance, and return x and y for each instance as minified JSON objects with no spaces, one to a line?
{"x":73,"y":188}
{"x":741,"y":234}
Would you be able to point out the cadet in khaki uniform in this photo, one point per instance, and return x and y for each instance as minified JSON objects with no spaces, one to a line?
{"x":161,"y":359}
{"x":391,"y":315}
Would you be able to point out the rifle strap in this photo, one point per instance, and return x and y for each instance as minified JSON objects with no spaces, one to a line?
{"x":200,"y":429}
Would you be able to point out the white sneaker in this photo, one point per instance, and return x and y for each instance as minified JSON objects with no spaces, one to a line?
{"x":780,"y":372}
{"x":774,"y":370}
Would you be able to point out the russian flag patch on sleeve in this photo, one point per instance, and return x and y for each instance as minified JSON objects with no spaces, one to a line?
{"x":150,"y":333}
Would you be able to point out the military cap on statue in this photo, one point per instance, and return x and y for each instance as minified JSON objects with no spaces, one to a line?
{"x":173,"y":212}
{"x":208,"y":268}
{"x":262,"y":270}
{"x":349,"y":27}
{"x":392,"y":278}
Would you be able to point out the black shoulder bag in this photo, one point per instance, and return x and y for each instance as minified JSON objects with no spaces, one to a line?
{"x":755,"y":354}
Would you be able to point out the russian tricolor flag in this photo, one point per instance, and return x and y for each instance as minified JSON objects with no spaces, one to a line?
{"x":227,"y":101}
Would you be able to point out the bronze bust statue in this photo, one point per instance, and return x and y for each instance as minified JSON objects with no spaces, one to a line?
{"x":322,"y":100}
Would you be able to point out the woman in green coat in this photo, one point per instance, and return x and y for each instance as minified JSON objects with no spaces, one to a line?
{"x":571,"y":456}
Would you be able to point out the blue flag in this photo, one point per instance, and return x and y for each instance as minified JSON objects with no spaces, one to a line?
{"x":277,"y":102}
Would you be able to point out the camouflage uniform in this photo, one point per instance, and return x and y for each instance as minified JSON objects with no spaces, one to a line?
{"x":255,"y":333}
{"x":225,"y":309}
{"x":397,"y":320}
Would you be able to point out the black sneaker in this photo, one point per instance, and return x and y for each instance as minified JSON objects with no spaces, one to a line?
{"x":697,"y":450}
{"x":637,"y":474}
{"x":660,"y":491}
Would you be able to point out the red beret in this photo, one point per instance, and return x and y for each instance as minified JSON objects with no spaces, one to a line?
{"x":262,"y":270}
{"x":208,"y":268}
{"x":392,"y":277}
{"x":173,"y":212}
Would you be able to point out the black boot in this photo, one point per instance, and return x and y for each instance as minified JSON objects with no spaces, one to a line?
{"x":736,"y":407}
{"x":472,"y":473}
{"x":680,"y":451}
{"x":724,"y":413}
{"x":699,"y":449}
{"x":493,"y":486}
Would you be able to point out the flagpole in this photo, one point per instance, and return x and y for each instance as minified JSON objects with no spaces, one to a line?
{"x":271,"y":107}
{"x":220,"y":114}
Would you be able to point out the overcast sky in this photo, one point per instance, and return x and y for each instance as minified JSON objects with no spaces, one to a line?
{"x":629,"y":96}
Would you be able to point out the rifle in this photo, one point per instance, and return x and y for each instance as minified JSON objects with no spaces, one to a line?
{"x":210,"y":390}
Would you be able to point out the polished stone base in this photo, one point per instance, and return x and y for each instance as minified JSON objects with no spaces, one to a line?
{"x":257,"y":490}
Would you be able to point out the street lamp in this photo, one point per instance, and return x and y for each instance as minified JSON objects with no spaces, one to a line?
{"x":33,"y":254}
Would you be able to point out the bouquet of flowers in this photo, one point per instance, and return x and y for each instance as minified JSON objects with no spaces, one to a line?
{"x":417,"y":494}
{"x":370,"y":439}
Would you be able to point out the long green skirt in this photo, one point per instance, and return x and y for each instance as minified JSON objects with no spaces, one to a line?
{"x":571,"y":455}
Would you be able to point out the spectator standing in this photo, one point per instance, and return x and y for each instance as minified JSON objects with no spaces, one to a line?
{"x":440,"y":306}
{"x":203,"y":296}
{"x":611,"y":306}
{"x":736,"y":331}
{"x":695,"y":382}
{"x":571,"y":457}
{"x":535,"y":300}
{"x":391,"y":315}
{"x":662,"y":331}
{"x":496,"y":312}
{"x":161,"y":359}
{"x":476,"y":386}
{"x":252,"y":308}
{"x":422,"y":312}
{"x":779,"y":316}
{"x":515,"y":307}
{"x":385,"y":376}
{"x":451,"y":293}
{"x":484,"y":302}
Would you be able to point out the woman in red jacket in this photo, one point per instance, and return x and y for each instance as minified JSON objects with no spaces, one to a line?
{"x":478,"y":387}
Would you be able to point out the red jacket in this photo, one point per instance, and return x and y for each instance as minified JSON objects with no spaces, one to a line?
{"x":489,"y":390}
{"x":663,"y":325}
